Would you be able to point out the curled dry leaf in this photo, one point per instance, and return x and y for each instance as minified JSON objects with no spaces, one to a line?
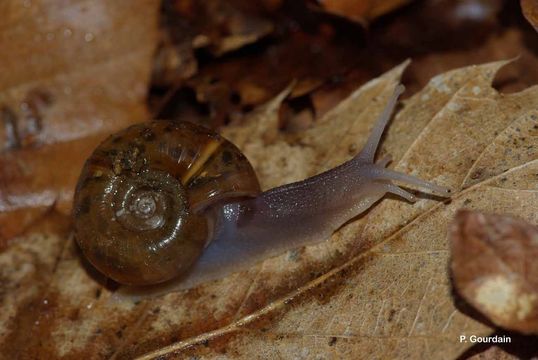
{"x":231,"y":28}
{"x":361,"y":11}
{"x":494,"y":268}
{"x":530,"y":10}
{"x":378,"y":286}
{"x":309,"y":59}
{"x":218,"y":25}
{"x":223,"y":25}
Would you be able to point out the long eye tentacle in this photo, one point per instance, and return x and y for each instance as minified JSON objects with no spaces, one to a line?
{"x":379,"y":170}
{"x":368,"y":152}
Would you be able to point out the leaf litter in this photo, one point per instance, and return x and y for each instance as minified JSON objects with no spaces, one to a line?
{"x":378,"y":286}
{"x":493,"y":267}
{"x":92,"y":88}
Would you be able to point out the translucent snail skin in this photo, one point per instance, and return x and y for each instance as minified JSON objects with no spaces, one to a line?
{"x":165,"y":200}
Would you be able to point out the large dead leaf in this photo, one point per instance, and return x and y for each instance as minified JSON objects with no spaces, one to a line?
{"x":530,"y":10}
{"x":379,"y":286}
{"x":393,"y":298}
{"x":493,"y":268}
{"x":70,"y":73}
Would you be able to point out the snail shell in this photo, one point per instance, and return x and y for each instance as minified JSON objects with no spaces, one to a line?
{"x":139,"y":211}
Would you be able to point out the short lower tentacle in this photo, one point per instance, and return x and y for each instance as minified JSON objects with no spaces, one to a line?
{"x":389,"y":174}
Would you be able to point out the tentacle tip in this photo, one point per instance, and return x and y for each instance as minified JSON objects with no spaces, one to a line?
{"x":400,"y":88}
{"x":444,"y":192}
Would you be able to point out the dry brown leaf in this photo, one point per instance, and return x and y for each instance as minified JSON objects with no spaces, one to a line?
{"x":221,"y":26}
{"x":493,"y":353}
{"x":69,"y":75}
{"x":494,"y":268}
{"x":379,"y":286}
{"x":530,"y":10}
{"x":393,"y":299}
{"x":361,"y":11}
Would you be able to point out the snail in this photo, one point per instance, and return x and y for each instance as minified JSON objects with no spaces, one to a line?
{"x":169,"y":200}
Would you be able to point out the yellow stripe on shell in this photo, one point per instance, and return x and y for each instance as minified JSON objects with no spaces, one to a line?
{"x":199,"y":162}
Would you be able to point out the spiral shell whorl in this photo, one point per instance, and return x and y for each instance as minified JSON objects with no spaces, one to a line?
{"x":139,"y":200}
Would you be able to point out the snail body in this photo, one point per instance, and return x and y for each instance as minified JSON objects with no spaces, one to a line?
{"x":164,"y":200}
